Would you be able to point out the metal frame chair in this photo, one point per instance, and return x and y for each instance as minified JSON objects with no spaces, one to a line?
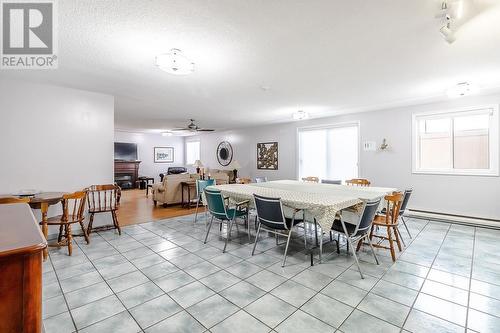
{"x":356,"y":233}
{"x":200,"y":187}
{"x":272,"y":219}
{"x":333,"y":182}
{"x":261,"y":179}
{"x":406,"y":198}
{"x":219,"y":210}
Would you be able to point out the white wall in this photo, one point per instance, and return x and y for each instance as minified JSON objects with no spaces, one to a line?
{"x":54,"y":138}
{"x":145,"y":150}
{"x":463,"y":195}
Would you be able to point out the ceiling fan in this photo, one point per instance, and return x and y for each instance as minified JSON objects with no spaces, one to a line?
{"x":192,"y":127}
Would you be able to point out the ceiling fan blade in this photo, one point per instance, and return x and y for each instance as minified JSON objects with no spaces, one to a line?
{"x":204,"y":130}
{"x":180,"y":129}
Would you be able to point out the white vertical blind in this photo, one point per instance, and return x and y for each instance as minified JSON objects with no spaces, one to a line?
{"x":329,"y":152}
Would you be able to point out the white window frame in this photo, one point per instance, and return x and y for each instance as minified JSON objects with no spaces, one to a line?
{"x":493,"y":141}
{"x":185,"y":150}
{"x":326,"y":126}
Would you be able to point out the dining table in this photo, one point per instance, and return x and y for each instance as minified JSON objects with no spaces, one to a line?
{"x":321,"y":202}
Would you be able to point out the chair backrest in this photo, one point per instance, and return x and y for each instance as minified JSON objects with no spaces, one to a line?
{"x":311,"y":179}
{"x":260,"y":179}
{"x":406,"y":198}
{"x":12,"y":200}
{"x":270,"y":212}
{"x":74,"y":205}
{"x":202,"y":184}
{"x":103,"y":198}
{"x":368,"y":214}
{"x":333,"y":182}
{"x":215,"y":203}
{"x":393,"y":208}
{"x":358,"y":182}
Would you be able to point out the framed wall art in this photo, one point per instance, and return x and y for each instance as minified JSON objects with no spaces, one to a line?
{"x":267,"y":156}
{"x":164,"y":154}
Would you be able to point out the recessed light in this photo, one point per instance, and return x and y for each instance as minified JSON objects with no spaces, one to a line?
{"x":462,"y":89}
{"x":175,"y":62}
{"x":300,"y":115}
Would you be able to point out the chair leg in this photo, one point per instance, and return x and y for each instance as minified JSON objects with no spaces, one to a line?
{"x":69,"y":239}
{"x":406,"y":227}
{"x":89,"y":227}
{"x":316,"y":231}
{"x":286,"y":247}
{"x":276,"y":236}
{"x":373,"y":250}
{"x":391,"y":243}
{"x":248,"y":228}
{"x":196,"y":211}
{"x":401,"y":237}
{"x":115,"y":222}
{"x":84,"y":232}
{"x":256,"y":239}
{"x":59,"y":237}
{"x":396,"y":234}
{"x":338,"y":243}
{"x":208,"y":230}
{"x":353,"y":250}
{"x":228,"y":235}
{"x":321,"y":246}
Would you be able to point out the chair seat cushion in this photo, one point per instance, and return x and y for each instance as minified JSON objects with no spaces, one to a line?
{"x":288,"y":222}
{"x":337,"y":226}
{"x":230,"y":212}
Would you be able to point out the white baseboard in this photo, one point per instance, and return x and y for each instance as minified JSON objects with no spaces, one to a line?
{"x":466,"y":220}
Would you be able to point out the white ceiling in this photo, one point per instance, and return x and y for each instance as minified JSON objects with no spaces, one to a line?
{"x":325,"y":57}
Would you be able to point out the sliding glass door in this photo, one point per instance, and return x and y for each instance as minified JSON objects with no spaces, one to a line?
{"x":329,"y":152}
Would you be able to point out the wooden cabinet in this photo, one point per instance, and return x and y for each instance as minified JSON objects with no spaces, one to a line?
{"x":21,"y":246}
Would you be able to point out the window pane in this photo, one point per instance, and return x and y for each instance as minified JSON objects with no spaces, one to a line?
{"x":313,"y":154}
{"x":471,"y":138}
{"x":435,"y":144}
{"x":192,"y":152}
{"x":343,"y":153}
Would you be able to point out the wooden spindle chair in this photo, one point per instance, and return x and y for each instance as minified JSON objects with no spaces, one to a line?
{"x":104,"y":199}
{"x":358,"y":182}
{"x":311,"y":179}
{"x":73,"y":205}
{"x":13,"y":200}
{"x":389,"y":221}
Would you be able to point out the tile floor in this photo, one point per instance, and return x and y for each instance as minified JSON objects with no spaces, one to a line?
{"x":160,"y":277}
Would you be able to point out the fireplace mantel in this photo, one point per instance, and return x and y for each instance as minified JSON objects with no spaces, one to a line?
{"x":129,"y":170}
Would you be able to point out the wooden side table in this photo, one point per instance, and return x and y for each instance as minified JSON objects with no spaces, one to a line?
{"x":148,"y":185}
{"x":190,"y":186}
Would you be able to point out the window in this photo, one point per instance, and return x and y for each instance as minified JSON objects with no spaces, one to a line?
{"x":463,"y":142}
{"x":192,"y":152}
{"x":329,"y":152}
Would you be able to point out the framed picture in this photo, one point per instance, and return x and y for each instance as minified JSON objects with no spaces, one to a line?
{"x":267,"y":156}
{"x":164,"y":154}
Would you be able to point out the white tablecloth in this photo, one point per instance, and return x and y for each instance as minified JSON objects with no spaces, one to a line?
{"x":321,"y":201}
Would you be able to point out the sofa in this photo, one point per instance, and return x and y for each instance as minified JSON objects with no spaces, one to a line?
{"x":169,"y":190}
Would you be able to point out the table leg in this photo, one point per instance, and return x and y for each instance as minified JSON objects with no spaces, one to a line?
{"x":44,"y":207}
{"x":182,"y":193}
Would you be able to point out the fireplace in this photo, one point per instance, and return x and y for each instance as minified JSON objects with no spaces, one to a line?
{"x":126,"y":173}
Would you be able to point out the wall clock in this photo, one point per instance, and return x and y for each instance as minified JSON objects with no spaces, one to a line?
{"x":224,"y":153}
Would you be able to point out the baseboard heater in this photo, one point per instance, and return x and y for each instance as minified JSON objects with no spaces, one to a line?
{"x":458,"y":219}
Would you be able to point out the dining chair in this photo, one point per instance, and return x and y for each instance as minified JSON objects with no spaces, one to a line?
{"x":219,"y":209}
{"x":104,"y":199}
{"x":73,"y":206}
{"x":261,"y":179}
{"x":310,"y":179}
{"x":358,"y":182}
{"x":389,"y":221}
{"x":271,"y":218}
{"x":356,"y":233}
{"x":13,"y":200}
{"x":333,"y":182}
{"x":404,"y":204}
{"x":200,"y":187}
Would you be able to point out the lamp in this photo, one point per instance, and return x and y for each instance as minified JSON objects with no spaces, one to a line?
{"x":197,"y":164}
{"x":234,"y":165}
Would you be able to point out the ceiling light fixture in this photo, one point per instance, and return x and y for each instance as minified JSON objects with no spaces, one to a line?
{"x":462,"y":89}
{"x":175,"y":63}
{"x":300,"y":115}
{"x":446,"y":31}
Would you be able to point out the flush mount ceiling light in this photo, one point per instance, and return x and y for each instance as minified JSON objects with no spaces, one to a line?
{"x":300,"y":115}
{"x":175,"y":63}
{"x":462,"y":89}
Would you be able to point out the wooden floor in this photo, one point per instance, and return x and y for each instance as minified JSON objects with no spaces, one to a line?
{"x":135,"y":208}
